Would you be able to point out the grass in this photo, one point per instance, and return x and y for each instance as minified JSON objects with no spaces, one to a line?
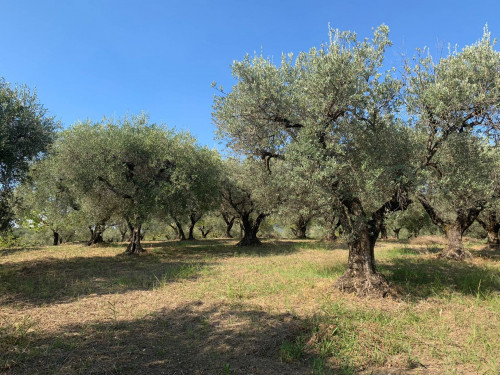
{"x":209,"y":307}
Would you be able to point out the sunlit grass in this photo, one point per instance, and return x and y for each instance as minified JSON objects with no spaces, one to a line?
{"x":217,"y":298}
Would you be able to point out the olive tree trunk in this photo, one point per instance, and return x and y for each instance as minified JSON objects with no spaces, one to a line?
{"x":135,"y":247}
{"x":55,"y":237}
{"x":492,"y":226}
{"x":331,"y":230}
{"x":383,"y":233}
{"x":362,"y":231}
{"x":454,"y":230}
{"x":229,"y":220}
{"x":205,"y":231}
{"x":300,"y":228}
{"x":250,"y":229}
{"x":193,"y":218}
{"x":96,"y":234}
{"x":361,"y":276}
{"x":180,"y":232}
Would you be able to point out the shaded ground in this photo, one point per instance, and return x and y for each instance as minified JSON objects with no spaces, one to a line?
{"x":190,"y":339}
{"x":208,"y":307}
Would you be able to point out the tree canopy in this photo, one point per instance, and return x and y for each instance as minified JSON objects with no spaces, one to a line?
{"x":342,"y":122}
{"x":25,"y":133}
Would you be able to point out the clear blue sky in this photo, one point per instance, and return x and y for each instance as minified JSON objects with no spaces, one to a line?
{"x":91,"y":58}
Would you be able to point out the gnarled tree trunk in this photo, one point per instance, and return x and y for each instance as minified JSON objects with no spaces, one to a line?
{"x":396,"y":232}
{"x":135,"y":247}
{"x":361,"y":276}
{"x":300,"y":229}
{"x":492,"y":226}
{"x":453,"y":229}
{"x":55,"y":237}
{"x":455,"y":248}
{"x":250,"y":229}
{"x":383,"y":232}
{"x":331,"y":230}
{"x":180,"y":232}
{"x":204,"y":231}
{"x":229,"y":220}
{"x":96,"y":234}
{"x":194,"y":218}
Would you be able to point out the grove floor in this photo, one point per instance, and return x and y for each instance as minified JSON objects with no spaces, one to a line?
{"x":209,"y":307}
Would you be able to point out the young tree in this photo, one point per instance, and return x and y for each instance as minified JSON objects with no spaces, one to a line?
{"x":25,"y":133}
{"x":330,"y":113}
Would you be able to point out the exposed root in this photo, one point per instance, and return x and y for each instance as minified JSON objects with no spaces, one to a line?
{"x":372,"y":284}
{"x":455,"y":254}
{"x":249,"y":242}
{"x":135,"y":249}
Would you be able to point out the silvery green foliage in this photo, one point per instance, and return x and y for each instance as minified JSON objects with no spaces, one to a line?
{"x":25,"y":131}
{"x":43,"y":201}
{"x":330,"y":112}
{"x":248,"y":187}
{"x":454,"y":105}
{"x":199,"y":190}
{"x":128,"y":162}
{"x":461,"y":176}
{"x":458,"y":92}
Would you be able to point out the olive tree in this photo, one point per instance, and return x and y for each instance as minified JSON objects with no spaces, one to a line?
{"x":330,"y":112}
{"x":250,"y":194}
{"x":457,"y":96}
{"x":200,"y":190}
{"x":301,"y":203}
{"x":25,"y":133}
{"x":44,"y":202}
{"x":457,"y":188}
{"x":133,"y":161}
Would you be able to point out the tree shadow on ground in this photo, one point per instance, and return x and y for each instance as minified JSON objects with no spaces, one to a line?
{"x":223,"y":248}
{"x":488,"y":253}
{"x":421,"y":278}
{"x":13,"y":250}
{"x":190,"y":339}
{"x":54,"y":280}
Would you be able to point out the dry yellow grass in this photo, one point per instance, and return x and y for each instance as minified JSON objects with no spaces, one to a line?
{"x":209,"y":307}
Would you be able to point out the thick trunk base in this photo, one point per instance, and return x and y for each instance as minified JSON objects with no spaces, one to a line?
{"x":396,"y":233}
{"x":249,"y":241}
{"x":455,"y":254}
{"x":330,"y":237}
{"x":135,"y":247}
{"x":493,"y":241}
{"x":455,"y":249}
{"x":364,"y":284}
{"x":95,"y":240}
{"x":56,"y":239}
